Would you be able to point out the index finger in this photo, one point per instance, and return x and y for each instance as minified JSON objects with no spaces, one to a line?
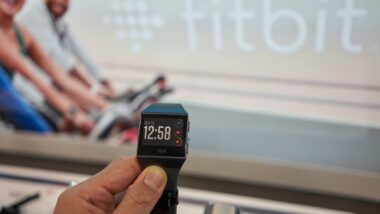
{"x":118,"y":175}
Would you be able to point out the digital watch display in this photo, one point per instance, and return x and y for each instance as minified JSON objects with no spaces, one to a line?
{"x":163,"y":132}
{"x":163,"y":141}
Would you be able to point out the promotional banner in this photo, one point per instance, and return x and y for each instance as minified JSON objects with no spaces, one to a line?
{"x":314,"y":59}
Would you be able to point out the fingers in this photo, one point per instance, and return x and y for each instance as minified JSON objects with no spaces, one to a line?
{"x":97,"y":194}
{"x":118,"y":175}
{"x":84,"y":122}
{"x":144,"y":193}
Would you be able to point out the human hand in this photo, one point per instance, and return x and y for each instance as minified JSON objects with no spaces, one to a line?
{"x":83,"y":122}
{"x":107,"y":90}
{"x":97,"y":194}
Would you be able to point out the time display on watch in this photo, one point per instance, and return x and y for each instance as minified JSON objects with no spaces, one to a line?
{"x":162,"y":132}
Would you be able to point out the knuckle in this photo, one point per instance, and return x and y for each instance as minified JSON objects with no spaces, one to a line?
{"x":140,"y":198}
{"x":134,"y":166}
{"x":117,"y":163}
{"x":101,"y":196}
{"x":128,"y":163}
{"x":83,"y":193}
{"x":89,"y":208}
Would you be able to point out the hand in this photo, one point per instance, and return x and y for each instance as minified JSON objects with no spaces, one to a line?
{"x":106,"y":92}
{"x":107,"y":89}
{"x":81,"y":121}
{"x":97,"y":194}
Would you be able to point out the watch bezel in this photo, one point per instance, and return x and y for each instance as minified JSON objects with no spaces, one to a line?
{"x":164,"y":151}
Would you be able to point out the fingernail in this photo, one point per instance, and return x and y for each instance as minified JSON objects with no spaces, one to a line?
{"x":155,"y":177}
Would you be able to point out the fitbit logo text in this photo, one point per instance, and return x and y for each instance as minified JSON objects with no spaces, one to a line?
{"x":243,"y":18}
{"x":278,"y":26}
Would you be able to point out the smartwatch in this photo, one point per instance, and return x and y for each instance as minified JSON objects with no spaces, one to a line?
{"x":163,"y":141}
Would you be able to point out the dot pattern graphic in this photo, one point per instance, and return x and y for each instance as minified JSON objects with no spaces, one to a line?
{"x":133,"y":21}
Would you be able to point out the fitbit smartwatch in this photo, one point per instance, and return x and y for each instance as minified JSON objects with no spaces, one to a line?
{"x":163,"y":141}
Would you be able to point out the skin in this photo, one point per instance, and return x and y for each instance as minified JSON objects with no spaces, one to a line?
{"x":73,"y":94}
{"x":97,"y":194}
{"x":57,"y":9}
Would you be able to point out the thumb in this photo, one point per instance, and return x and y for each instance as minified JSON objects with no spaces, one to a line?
{"x":144,"y":193}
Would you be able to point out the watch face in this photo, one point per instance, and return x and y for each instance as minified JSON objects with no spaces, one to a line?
{"x":162,"y":132}
{"x":162,"y":135}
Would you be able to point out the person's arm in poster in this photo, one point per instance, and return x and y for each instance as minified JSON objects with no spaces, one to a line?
{"x":11,"y":58}
{"x":70,"y":86}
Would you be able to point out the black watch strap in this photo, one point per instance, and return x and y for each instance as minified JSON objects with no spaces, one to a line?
{"x":168,"y":201}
